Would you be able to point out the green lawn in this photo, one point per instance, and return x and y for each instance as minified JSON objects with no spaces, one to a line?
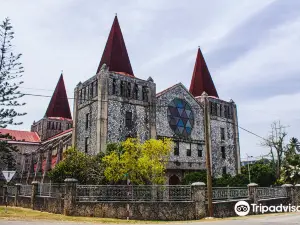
{"x":16,"y":213}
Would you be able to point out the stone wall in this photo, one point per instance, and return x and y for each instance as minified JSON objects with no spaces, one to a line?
{"x":24,"y":201}
{"x":49,"y":204}
{"x":196,"y":208}
{"x":138,"y":210}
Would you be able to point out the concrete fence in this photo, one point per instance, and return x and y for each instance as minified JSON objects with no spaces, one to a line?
{"x":163,"y":202}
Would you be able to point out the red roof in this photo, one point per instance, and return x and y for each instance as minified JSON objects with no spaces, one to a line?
{"x":19,"y":135}
{"x":115,"y":54}
{"x":201,"y":80}
{"x":59,"y":104}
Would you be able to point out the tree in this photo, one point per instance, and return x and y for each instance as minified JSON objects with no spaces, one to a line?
{"x":141,"y":163}
{"x":86,"y":169}
{"x":262,"y":173}
{"x":276,"y":143}
{"x":10,"y":70}
{"x":291,"y":163}
{"x":7,"y":154}
{"x":195,"y":177}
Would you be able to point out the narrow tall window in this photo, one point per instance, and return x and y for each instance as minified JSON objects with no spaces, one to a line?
{"x":114,"y":84}
{"x":222,"y":130}
{"x":176,"y":148}
{"x":87,"y":92}
{"x":224,"y":172}
{"x":128,"y":89}
{"x":122,"y":88}
{"x":96,"y":88}
{"x":189,"y":150}
{"x":86,"y":144}
{"x":226,"y":111}
{"x":145,"y":93}
{"x":91,"y":90}
{"x":199,"y":148}
{"x":136,"y":91}
{"x":221,"y":110}
{"x":223,"y":152}
{"x":128,"y":119}
{"x":87,"y":120}
{"x":59,"y":126}
{"x":80,"y":96}
{"x":48,"y":125}
{"x":52,"y":125}
{"x":83,"y":95}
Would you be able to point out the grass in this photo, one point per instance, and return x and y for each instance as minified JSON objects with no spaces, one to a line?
{"x":16,"y":213}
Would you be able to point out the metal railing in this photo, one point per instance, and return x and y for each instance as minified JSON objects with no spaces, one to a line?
{"x":134,"y":193}
{"x":227,"y":193}
{"x":271,"y":192}
{"x":11,"y":190}
{"x":51,"y":190}
{"x":25,"y":190}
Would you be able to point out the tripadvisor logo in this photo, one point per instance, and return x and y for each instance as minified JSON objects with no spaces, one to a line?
{"x":242,"y":208}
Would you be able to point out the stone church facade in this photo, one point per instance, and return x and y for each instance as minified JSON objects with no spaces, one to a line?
{"x":114,"y":104}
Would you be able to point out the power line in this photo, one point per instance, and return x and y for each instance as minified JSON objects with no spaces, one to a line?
{"x":48,"y":96}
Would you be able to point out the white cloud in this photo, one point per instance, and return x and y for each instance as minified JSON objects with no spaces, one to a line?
{"x":275,"y":58}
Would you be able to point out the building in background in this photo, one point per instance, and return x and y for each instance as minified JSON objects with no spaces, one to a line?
{"x":41,"y":149}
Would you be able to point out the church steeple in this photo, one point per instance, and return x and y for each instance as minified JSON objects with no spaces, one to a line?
{"x":59,"y":104}
{"x":201,"y":80}
{"x":115,"y":55}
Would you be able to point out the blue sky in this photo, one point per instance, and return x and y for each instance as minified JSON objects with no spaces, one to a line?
{"x":251,"y":48}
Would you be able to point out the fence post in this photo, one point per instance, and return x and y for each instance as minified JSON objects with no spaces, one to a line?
{"x":252,"y":190}
{"x":18,"y":187}
{"x":198,"y":196}
{"x":34,"y":192}
{"x":297,"y":194}
{"x":70,"y":196}
{"x":5,"y":195}
{"x":288,"y":188}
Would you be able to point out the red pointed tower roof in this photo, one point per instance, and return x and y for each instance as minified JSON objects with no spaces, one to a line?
{"x":115,"y":55}
{"x":201,"y":80}
{"x":59,"y":104}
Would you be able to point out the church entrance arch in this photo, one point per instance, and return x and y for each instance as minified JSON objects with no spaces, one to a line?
{"x":174,"y":180}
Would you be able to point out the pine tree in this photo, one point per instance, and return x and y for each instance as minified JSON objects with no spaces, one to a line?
{"x":11,"y":70}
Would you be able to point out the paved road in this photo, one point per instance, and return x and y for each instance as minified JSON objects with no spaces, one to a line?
{"x":274,"y":219}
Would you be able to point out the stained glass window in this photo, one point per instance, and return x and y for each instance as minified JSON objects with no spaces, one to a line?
{"x":180,"y":117}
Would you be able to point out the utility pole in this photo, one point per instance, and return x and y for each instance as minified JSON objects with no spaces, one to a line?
{"x":249,"y":167}
{"x":208,"y":158}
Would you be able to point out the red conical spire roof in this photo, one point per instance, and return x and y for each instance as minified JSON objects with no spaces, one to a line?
{"x":115,"y":55}
{"x":59,"y":104}
{"x":201,"y":80}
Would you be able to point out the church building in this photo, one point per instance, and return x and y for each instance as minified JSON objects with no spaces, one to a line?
{"x":115,"y":104}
